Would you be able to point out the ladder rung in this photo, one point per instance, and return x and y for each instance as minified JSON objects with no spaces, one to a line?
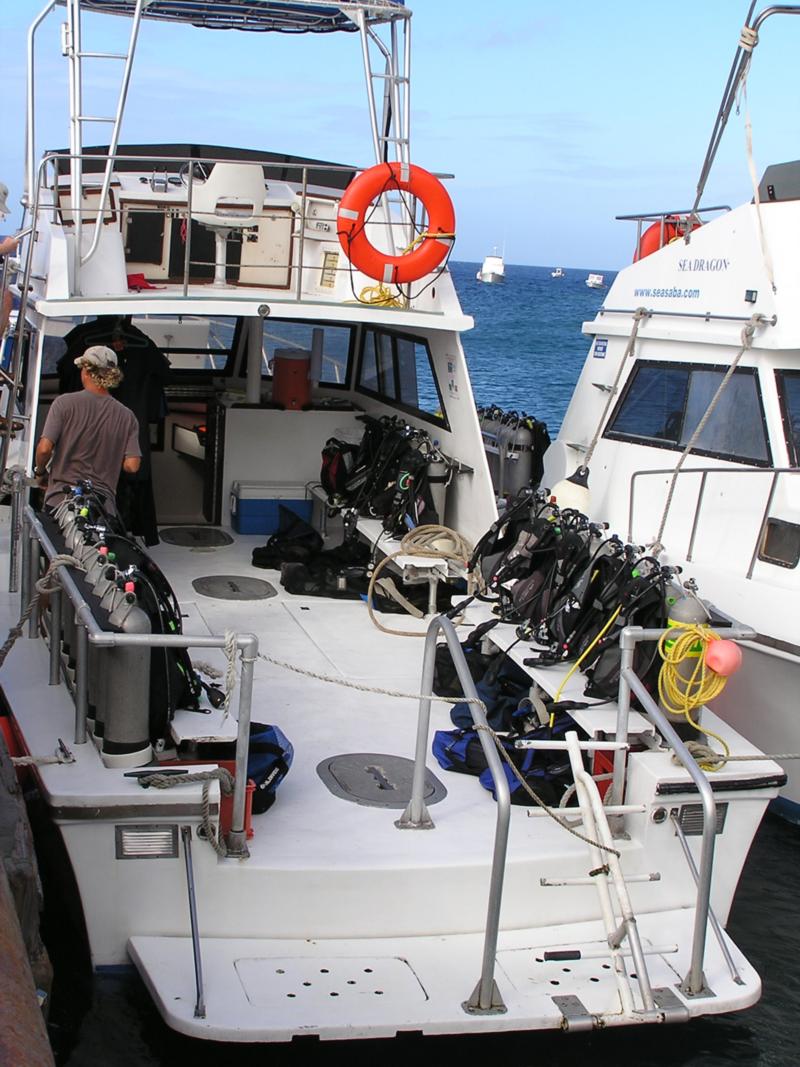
{"x":564,"y":955}
{"x":6,"y":377}
{"x":399,"y":78}
{"x":609,"y":809}
{"x":94,"y":118}
{"x":394,"y":140}
{"x":654,"y":876}
{"x":102,"y":55}
{"x":586,"y":746}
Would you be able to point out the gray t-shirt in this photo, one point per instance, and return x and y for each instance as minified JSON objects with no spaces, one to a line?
{"x":92,"y":434}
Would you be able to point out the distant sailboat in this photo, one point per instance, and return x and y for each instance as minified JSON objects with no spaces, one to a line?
{"x":557,"y":273}
{"x":493,"y":269}
{"x":595,"y":281}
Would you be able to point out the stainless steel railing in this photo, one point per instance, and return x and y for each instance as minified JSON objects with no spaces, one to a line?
{"x":773,"y":473}
{"x":90,"y":633}
{"x":485,"y":997}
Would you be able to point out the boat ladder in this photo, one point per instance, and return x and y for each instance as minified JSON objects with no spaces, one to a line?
{"x":619,"y":921}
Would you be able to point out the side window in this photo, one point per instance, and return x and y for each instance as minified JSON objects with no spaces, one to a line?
{"x":653,"y":404}
{"x":789,"y":393}
{"x":398,"y":369}
{"x":332,"y":342}
{"x":663,"y":404}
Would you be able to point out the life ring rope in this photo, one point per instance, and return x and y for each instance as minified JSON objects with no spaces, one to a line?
{"x":429,"y":248}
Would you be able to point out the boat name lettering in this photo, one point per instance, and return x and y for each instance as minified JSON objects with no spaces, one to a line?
{"x":708,"y":265}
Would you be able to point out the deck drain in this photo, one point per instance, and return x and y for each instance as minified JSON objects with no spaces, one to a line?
{"x":195,"y":537}
{"x":233,"y":587}
{"x":376,"y":780}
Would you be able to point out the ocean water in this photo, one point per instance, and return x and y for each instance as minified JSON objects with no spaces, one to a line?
{"x":524,"y":354}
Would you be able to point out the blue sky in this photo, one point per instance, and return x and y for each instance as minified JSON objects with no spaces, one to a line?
{"x":553,"y":117}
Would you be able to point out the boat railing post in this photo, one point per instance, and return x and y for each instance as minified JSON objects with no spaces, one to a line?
{"x":81,"y":679}
{"x":416,"y":816}
{"x":17,"y":486}
{"x":485,"y":998}
{"x":187,"y":252}
{"x":200,"y":1004}
{"x":237,"y":837}
{"x":627,"y":644}
{"x":25,"y":565}
{"x":54,"y":598}
{"x":302,"y":241}
{"x":33,"y":577}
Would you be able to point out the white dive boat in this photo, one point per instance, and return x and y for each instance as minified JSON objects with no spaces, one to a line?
{"x":367,"y":901}
{"x":709,"y":299}
{"x":492,"y":269}
{"x":595,"y":281}
{"x":557,"y":273}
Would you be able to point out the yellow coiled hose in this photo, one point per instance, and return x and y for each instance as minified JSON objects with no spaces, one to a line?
{"x":680,"y":694}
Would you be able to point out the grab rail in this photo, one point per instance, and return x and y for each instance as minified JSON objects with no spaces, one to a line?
{"x":629,"y":682}
{"x":486,"y":997}
{"x":705,"y":471}
{"x":85,"y":621}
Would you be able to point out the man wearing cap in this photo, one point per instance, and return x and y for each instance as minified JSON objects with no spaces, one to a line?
{"x":89,"y":435}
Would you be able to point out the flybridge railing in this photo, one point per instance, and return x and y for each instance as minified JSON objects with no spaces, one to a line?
{"x":169,"y":187}
{"x":761,"y":548}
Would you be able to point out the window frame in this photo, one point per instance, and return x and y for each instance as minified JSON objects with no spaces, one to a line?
{"x":443,"y":422}
{"x":655,"y":442}
{"x":792,"y":452}
{"x":351,"y":349}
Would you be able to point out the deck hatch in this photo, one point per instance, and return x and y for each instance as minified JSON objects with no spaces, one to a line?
{"x":376,"y":779}
{"x":195,"y":537}
{"x":233,"y":587}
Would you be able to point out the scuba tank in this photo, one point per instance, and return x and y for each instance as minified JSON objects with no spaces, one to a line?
{"x":685,"y":610}
{"x":126,"y":732}
{"x":438,"y":480}
{"x":105,"y":589}
{"x":517,"y":456}
{"x":491,"y":425}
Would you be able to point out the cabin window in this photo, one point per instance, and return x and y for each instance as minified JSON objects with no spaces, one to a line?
{"x":781,"y":543}
{"x":397,"y":368}
{"x":193,"y":344}
{"x":663,"y":403}
{"x":789,"y":392}
{"x":335,"y":345}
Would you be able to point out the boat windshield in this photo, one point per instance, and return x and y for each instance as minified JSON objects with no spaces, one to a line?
{"x":663,"y":403}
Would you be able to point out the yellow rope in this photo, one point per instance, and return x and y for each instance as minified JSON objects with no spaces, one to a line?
{"x":679,"y":694}
{"x":381,"y":296}
{"x":425,"y":236}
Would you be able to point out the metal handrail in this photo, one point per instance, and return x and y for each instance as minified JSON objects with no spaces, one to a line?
{"x":85,"y":620}
{"x":299,"y":174}
{"x":774,"y":472}
{"x":486,"y":996}
{"x":693,"y":983}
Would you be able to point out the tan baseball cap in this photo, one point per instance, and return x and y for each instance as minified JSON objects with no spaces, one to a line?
{"x":97,"y":356}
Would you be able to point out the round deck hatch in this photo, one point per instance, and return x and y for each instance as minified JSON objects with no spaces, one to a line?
{"x":375,"y":779}
{"x":195,"y":537}
{"x":233,"y":587}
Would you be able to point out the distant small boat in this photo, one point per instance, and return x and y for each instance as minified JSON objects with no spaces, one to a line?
{"x":492,"y":270}
{"x":558,"y":273}
{"x":595,"y":281}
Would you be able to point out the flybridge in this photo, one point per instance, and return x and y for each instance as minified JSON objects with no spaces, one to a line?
{"x":259,"y":16}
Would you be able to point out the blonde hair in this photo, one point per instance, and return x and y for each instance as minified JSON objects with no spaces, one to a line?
{"x":105,"y":377}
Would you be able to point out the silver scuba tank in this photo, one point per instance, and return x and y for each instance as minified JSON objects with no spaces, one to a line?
{"x":104,"y":587}
{"x":517,"y":457}
{"x":438,"y":480}
{"x":491,"y":425}
{"x":126,"y":734}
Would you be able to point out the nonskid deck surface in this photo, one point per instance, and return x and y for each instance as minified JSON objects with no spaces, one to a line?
{"x":308,"y":827}
{"x":275,"y":990}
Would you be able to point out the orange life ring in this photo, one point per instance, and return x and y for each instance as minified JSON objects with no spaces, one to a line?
{"x":351,"y":219}
{"x":652,"y":239}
